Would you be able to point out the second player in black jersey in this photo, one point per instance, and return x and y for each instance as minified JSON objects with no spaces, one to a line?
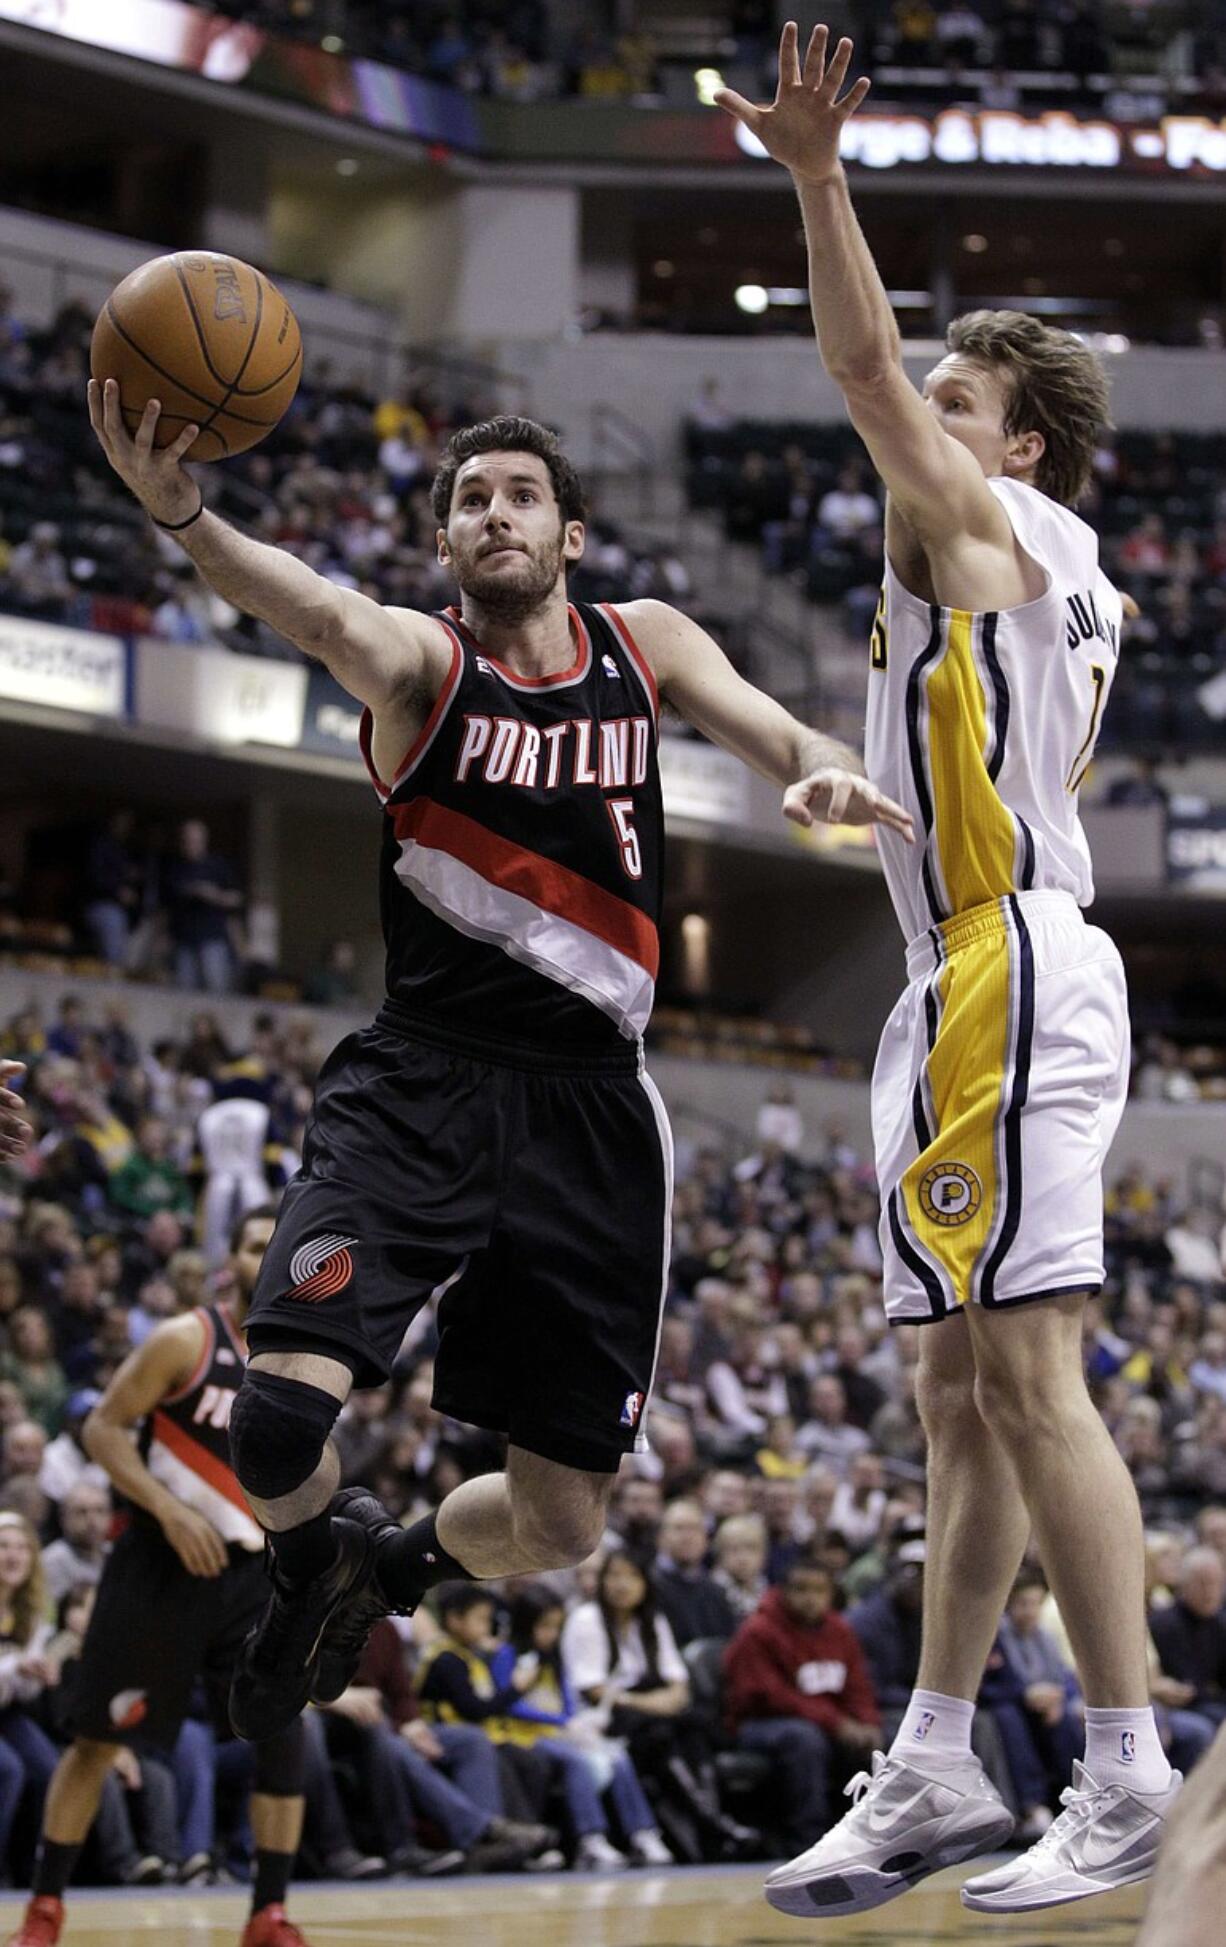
{"x":493,"y":1140}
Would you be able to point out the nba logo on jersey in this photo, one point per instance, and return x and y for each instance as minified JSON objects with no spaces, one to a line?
{"x":927,"y":1719}
{"x":610,"y":667}
{"x":1128,"y":1747}
{"x":632,"y":1409}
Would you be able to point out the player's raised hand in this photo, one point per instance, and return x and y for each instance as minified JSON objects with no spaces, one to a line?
{"x":837,"y":797}
{"x":15,"y":1131}
{"x":159,"y":480}
{"x":801,"y":127}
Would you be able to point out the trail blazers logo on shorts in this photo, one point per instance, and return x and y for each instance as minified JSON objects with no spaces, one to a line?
{"x":632,"y":1411}
{"x":128,"y":1709}
{"x":950,"y":1194}
{"x":320,"y":1269}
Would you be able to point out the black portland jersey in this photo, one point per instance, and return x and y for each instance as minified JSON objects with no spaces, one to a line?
{"x":186,"y":1439}
{"x":523,"y":843}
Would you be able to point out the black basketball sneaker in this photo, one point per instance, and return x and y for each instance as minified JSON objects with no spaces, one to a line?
{"x":347,"y":1631}
{"x":276,"y":1671}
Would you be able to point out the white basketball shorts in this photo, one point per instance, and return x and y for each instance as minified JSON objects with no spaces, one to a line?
{"x":998,"y":1086}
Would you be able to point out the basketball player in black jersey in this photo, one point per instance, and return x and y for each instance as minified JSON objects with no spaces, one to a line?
{"x":181,"y":1589}
{"x":493,"y":1138}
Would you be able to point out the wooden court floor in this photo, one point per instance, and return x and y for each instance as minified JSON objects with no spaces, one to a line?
{"x":698,"y":1908}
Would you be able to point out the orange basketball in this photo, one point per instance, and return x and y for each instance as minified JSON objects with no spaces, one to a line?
{"x":208,"y":336}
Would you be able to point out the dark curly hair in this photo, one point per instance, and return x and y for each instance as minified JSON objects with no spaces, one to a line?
{"x":508,"y":432}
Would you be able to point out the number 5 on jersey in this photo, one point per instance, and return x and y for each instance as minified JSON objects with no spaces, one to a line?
{"x":621,"y":811}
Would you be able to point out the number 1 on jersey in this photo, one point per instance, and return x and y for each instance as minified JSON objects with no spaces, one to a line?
{"x":621,"y":811}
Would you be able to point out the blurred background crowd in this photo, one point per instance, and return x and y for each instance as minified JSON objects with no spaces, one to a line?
{"x":749,"y":1629}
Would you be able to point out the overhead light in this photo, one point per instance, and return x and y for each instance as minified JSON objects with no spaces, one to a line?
{"x":707,"y":83}
{"x":752,"y":298}
{"x":347,"y":166}
{"x":975,"y":244}
{"x":332,"y":44}
{"x":910,"y":300}
{"x":663,"y":267}
{"x":787,"y":294}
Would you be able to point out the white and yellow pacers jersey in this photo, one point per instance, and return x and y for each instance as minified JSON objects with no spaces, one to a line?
{"x":983,"y":725}
{"x":1002,"y":1071}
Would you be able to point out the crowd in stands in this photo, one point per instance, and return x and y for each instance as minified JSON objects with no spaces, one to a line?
{"x":806,"y":497}
{"x":343,"y":482}
{"x":748,"y":1631}
{"x":1128,"y":58}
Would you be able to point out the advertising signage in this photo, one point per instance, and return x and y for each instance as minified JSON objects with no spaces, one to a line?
{"x":237,"y":54}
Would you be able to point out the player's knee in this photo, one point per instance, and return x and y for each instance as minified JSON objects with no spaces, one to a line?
{"x":560,"y":1536}
{"x":946,"y":1403}
{"x":278,"y":1431}
{"x":1015,"y":1403}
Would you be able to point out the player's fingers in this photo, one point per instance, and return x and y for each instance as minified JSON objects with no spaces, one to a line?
{"x":182,"y":446}
{"x":854,"y":96}
{"x":840,"y":797}
{"x":148,"y":426}
{"x":93,"y":395}
{"x":112,"y":416}
{"x":815,"y":57}
{"x":885,"y":812}
{"x":9,"y":1070}
{"x":734,"y":104}
{"x":789,"y":56}
{"x":796,"y":806}
{"x":836,"y":69}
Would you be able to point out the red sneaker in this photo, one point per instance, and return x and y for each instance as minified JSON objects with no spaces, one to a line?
{"x":271,"y":1928}
{"x":43,"y":1924}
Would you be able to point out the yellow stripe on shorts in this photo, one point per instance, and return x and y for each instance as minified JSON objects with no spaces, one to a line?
{"x":975,"y":835}
{"x":951,"y":1190}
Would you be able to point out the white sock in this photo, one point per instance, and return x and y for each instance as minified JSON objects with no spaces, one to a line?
{"x":934,"y":1726}
{"x":1123,"y":1748}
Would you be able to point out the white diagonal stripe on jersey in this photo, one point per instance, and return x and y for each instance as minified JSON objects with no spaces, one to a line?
{"x":193,"y":1491}
{"x":553,"y":946}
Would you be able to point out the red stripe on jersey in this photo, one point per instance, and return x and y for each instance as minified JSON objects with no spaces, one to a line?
{"x":213,"y":1472}
{"x":425,"y":734}
{"x":631,"y":647}
{"x":583,"y":652}
{"x":552,"y":887}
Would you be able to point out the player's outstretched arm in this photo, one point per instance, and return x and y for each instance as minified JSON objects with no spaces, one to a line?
{"x":373,"y":652}
{"x":825,"y":779}
{"x":936,"y":483}
{"x":161,"y":1366}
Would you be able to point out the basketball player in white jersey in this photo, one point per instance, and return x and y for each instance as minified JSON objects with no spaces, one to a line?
{"x":1003,"y":1069}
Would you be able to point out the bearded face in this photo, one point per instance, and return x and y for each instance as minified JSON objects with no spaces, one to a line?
{"x":505,"y":541}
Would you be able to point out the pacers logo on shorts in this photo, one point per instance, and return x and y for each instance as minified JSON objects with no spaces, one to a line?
{"x":950,"y":1194}
{"x":320,"y":1269}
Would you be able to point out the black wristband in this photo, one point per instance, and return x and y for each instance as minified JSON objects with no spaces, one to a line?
{"x":177,"y":527}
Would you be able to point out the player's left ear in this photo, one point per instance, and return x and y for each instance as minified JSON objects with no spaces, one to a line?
{"x":1023,"y":452}
{"x":574,"y":540}
{"x":444,"y":547}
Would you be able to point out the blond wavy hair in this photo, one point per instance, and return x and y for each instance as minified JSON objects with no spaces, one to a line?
{"x":30,"y":1603}
{"x":1054,"y":385}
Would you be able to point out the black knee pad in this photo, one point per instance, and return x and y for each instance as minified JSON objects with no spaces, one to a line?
{"x":279,"y":1762}
{"x":278,"y":1431}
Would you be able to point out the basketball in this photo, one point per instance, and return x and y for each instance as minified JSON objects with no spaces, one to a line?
{"x":212,"y":339}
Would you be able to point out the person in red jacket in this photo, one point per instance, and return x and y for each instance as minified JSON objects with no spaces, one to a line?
{"x":796,"y":1687}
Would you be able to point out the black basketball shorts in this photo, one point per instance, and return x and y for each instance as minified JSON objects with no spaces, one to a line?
{"x":156,"y":1632}
{"x":531,"y":1192}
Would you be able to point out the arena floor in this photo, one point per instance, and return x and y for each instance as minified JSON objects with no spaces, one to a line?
{"x":699,"y":1908}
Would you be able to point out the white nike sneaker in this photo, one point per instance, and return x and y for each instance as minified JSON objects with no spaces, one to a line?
{"x":904,"y":1824}
{"x":1105,"y":1837}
